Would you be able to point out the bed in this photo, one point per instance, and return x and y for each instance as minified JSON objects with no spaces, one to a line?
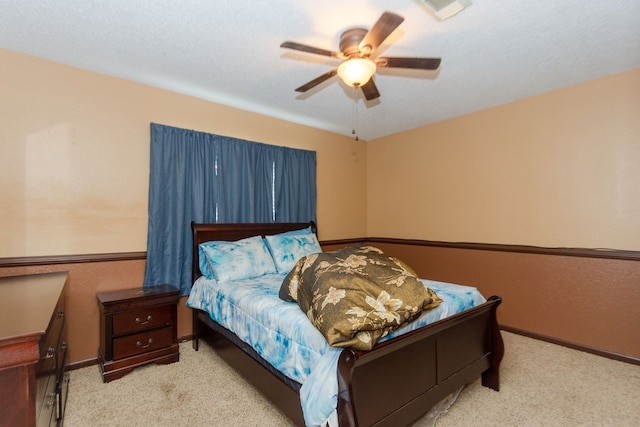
{"x":416,"y":369}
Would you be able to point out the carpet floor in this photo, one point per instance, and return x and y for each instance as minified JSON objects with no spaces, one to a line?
{"x":541,"y":385}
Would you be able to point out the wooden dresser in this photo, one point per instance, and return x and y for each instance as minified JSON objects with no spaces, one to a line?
{"x":137,"y":326}
{"x":33,"y":350}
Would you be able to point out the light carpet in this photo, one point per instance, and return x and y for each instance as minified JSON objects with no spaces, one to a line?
{"x":541,"y":385}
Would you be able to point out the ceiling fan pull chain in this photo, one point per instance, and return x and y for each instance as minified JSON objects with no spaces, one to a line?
{"x":355,"y":113}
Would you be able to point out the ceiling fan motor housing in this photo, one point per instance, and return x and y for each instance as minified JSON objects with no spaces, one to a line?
{"x":350,"y":40}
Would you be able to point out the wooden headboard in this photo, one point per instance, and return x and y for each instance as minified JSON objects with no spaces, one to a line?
{"x":230,"y":232}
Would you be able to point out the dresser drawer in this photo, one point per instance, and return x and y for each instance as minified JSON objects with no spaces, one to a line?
{"x":53,"y":336}
{"x":48,"y":368}
{"x":143,"y":342}
{"x":145,"y":318}
{"x":46,"y":404}
{"x":62,"y":381}
{"x":45,"y":377}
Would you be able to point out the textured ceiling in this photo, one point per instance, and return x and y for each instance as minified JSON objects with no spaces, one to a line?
{"x":227,"y":51}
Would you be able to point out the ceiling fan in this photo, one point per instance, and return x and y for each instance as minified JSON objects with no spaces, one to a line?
{"x":357,"y":46}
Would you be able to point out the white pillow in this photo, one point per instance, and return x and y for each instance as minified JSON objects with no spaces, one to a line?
{"x":243,"y":259}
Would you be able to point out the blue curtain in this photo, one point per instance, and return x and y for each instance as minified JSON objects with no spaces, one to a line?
{"x":196,"y":176}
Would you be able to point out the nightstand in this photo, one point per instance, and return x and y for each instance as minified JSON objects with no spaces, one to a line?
{"x":137,"y":326}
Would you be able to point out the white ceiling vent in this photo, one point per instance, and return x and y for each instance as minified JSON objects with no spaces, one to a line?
{"x":443,"y":9}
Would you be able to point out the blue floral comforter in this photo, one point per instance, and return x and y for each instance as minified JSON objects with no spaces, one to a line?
{"x":281,"y":333}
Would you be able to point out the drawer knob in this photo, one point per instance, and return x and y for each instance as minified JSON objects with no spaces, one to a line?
{"x":51,"y":399}
{"x":51,"y":351}
{"x":139,"y":321}
{"x":147,"y":345}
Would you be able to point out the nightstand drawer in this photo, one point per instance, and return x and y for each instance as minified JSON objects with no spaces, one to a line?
{"x":144,"y":318}
{"x":142,"y":342}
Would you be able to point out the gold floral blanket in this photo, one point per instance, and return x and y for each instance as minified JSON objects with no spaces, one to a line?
{"x":356,"y":295}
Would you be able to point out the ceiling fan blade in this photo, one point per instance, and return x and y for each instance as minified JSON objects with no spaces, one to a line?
{"x":370,"y":90}
{"x":309,"y":49}
{"x":379,"y":32}
{"x":315,"y":82}
{"x":418,"y":63}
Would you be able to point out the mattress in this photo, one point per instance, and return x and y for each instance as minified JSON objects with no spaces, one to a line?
{"x":281,"y":333}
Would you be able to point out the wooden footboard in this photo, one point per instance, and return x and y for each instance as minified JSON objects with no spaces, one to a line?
{"x":398,"y":381}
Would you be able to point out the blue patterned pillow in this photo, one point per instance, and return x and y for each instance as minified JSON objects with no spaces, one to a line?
{"x":301,"y":231}
{"x":287,"y":248}
{"x":243,"y":259}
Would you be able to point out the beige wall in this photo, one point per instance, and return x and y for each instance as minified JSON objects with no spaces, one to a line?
{"x":556,"y":170}
{"x":583,"y":301}
{"x":74,"y":158}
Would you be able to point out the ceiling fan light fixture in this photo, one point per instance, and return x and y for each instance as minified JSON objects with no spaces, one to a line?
{"x":356,"y":71}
